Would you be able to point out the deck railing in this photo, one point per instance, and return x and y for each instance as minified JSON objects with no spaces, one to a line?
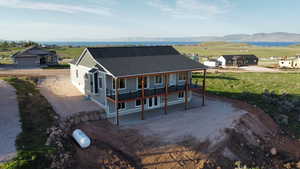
{"x":127,"y":94}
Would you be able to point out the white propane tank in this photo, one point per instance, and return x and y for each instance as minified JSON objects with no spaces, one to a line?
{"x":81,"y":138}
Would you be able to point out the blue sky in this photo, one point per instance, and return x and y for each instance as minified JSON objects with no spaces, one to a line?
{"x":45,"y":20}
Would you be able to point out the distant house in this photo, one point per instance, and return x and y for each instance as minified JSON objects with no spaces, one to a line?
{"x":289,"y":63}
{"x":238,"y":60}
{"x":125,"y":80}
{"x":212,"y":63}
{"x":35,"y":56}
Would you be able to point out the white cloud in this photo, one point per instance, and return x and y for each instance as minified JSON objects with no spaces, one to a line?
{"x":43,"y":31}
{"x":65,"y":8}
{"x":199,"y":9}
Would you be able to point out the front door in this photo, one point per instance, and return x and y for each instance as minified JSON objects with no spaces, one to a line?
{"x":172,"y":79}
{"x":153,"y":102}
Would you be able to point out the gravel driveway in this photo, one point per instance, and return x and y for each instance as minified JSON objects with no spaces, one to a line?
{"x":199,"y":122}
{"x":64,"y":97}
{"x":9,"y":121}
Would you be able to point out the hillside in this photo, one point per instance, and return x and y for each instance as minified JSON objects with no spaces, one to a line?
{"x":257,"y":37}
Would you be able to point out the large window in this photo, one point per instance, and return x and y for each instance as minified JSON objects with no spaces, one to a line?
{"x":180,"y":95}
{"x":96,"y":82}
{"x":158,"y":79}
{"x":138,"y":103}
{"x":140,"y":82}
{"x":100,"y":82}
{"x":182,"y":76}
{"x":122,"y":84}
{"x":121,"y":106}
{"x":91,"y":83}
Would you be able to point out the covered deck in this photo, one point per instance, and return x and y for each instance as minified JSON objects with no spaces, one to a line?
{"x":130,"y":95}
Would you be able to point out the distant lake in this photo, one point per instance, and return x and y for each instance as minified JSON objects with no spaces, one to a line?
{"x":151,"y":43}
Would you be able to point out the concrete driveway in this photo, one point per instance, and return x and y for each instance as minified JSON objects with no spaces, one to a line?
{"x":9,"y":121}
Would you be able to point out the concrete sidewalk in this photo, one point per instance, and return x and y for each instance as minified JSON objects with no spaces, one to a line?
{"x":9,"y":121}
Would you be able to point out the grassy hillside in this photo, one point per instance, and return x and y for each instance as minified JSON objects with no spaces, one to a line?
{"x":220,"y":48}
{"x":283,"y":98}
{"x":212,"y":49}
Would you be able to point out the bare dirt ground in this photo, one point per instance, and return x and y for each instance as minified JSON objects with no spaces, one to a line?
{"x":65,"y":99}
{"x":179,"y":140}
{"x":9,"y":121}
{"x":202,"y":123}
{"x":34,"y":72}
{"x":258,"y":69}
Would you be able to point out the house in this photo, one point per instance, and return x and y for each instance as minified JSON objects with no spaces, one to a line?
{"x":238,"y":60}
{"x":125,"y":80}
{"x":212,"y":63}
{"x":289,"y":63}
{"x":35,"y":56}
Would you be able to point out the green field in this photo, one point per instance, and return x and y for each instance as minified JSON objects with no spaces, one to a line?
{"x":250,"y":87}
{"x":208,"y":49}
{"x":214,"y":49}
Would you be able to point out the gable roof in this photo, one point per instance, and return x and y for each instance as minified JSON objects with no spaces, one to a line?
{"x":140,"y":60}
{"x":33,"y":51}
{"x":239,"y":56}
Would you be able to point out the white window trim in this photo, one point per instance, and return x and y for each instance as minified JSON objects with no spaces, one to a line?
{"x":161,"y":80}
{"x":137,"y":83}
{"x":113,"y":81}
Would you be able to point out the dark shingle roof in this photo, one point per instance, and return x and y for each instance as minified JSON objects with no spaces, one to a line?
{"x":128,"y":61}
{"x":230,"y":57}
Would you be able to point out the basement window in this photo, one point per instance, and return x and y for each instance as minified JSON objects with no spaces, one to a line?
{"x":121,"y":106}
{"x":180,"y":95}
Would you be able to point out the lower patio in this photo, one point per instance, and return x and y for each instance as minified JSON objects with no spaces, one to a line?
{"x":201,"y":122}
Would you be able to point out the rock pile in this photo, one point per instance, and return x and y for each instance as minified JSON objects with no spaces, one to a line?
{"x":58,"y":137}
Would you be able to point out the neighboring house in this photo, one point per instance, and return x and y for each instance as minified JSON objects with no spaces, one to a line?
{"x":134,"y":79}
{"x":289,"y":63}
{"x":35,"y":56}
{"x":238,"y":60}
{"x":212,"y":63}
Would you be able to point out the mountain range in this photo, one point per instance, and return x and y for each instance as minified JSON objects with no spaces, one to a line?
{"x":258,"y":37}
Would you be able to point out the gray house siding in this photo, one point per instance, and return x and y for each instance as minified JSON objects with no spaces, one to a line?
{"x":87,"y":61}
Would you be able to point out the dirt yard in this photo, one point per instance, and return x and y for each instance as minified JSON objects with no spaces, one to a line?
{"x":209,"y":137}
{"x":64,"y":97}
{"x":34,"y":72}
{"x":202,"y":123}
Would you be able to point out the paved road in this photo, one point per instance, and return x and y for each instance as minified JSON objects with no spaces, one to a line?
{"x":9,"y":120}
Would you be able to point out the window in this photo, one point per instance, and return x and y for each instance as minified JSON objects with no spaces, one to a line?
{"x":96,"y":88}
{"x":140,"y":82}
{"x":138,"y":103}
{"x":100,"y":82}
{"x":180,"y":95}
{"x":91,"y":83}
{"x":158,"y":79}
{"x":77,"y":73}
{"x":182,"y":76}
{"x":121,"y":106}
{"x":122,"y":84}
